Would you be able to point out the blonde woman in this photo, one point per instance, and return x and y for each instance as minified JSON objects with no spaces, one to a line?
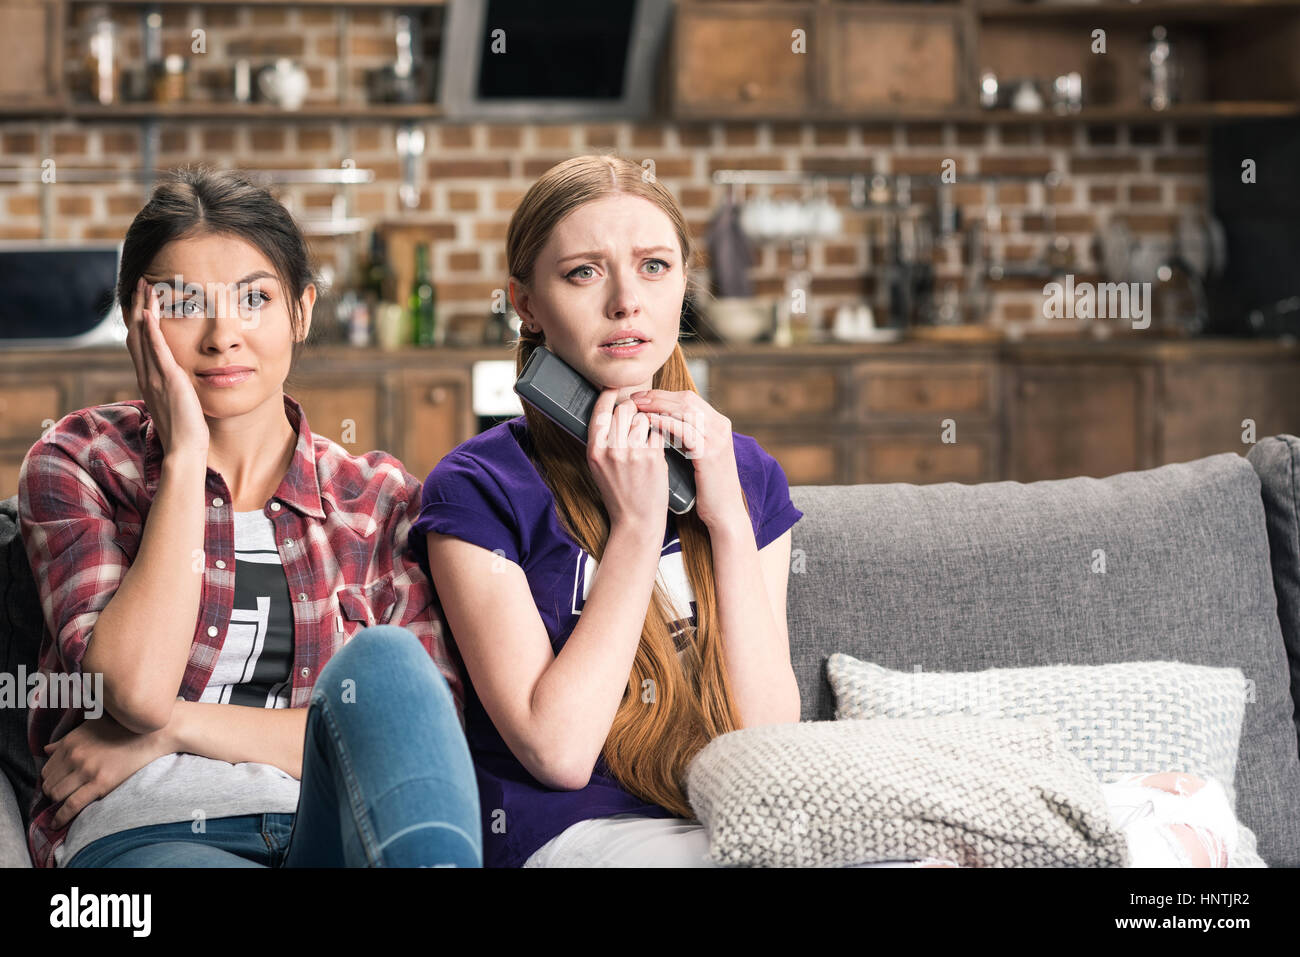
{"x":587,"y":693}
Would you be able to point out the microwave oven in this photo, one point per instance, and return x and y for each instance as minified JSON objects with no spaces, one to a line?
{"x":57,"y":294}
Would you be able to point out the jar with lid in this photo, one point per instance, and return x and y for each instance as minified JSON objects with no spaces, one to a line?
{"x":169,"y":84}
{"x":103,"y":71}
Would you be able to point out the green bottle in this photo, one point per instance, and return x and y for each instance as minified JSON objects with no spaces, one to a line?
{"x":421,"y":306}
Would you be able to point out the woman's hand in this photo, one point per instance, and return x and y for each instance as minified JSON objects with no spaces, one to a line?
{"x":627,"y":461}
{"x":94,"y":758}
{"x":704,"y":435}
{"x":166,"y":389}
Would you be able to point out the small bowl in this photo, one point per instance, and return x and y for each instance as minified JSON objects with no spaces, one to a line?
{"x":740,"y":319}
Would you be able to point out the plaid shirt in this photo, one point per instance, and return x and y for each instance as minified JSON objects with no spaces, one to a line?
{"x":341,"y":523}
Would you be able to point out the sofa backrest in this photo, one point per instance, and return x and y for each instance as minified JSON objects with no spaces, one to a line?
{"x":952,"y":577}
{"x":21,"y":628}
{"x":1277,"y":462}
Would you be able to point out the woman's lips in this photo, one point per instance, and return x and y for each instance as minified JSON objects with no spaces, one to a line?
{"x":226,"y":379}
{"x":629,"y":350}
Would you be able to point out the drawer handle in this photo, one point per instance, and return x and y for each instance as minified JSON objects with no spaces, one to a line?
{"x":924,"y":463}
{"x":750,"y":90}
{"x":437,"y":395}
{"x":922,"y":394}
{"x":776,"y":395}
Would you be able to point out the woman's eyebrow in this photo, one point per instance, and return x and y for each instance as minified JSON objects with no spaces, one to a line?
{"x":260,"y":274}
{"x":597,"y":253}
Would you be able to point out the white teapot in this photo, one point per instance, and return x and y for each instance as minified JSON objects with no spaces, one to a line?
{"x":285,"y":83}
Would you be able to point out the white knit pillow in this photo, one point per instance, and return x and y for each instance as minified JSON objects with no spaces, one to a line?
{"x":1120,"y":718}
{"x":985,"y":793}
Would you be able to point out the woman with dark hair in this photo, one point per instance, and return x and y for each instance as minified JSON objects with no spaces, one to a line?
{"x":588,"y":693}
{"x":276,"y":686}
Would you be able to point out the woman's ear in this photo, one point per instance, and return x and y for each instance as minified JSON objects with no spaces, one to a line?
{"x":521,"y":300}
{"x":308,"y":301}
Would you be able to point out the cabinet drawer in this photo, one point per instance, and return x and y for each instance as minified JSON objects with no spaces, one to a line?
{"x":805,"y":459}
{"x":736,"y":60}
{"x":920,"y":461}
{"x":887,"y":56}
{"x":348,"y":416}
{"x":931,"y":390}
{"x":25,"y":409}
{"x":104,"y":389}
{"x":775,"y":393}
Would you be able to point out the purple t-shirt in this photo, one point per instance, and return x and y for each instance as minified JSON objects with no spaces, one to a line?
{"x":487,"y":491}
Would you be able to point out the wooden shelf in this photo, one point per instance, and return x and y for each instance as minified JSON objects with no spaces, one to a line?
{"x":261,"y":3}
{"x":222,"y":111}
{"x":1182,"y":112}
{"x":1171,"y":10}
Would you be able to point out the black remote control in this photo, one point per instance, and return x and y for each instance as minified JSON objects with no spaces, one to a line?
{"x":555,"y":389}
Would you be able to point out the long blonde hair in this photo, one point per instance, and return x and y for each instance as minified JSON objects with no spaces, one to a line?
{"x":672,"y":707}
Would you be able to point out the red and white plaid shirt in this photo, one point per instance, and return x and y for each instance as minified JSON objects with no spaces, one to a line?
{"x":341,"y":525}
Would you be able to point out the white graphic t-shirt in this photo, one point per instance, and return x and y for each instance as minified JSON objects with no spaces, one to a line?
{"x":257,"y":656}
{"x":252,"y":669}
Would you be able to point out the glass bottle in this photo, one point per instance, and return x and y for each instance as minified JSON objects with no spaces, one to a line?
{"x":421,"y":305}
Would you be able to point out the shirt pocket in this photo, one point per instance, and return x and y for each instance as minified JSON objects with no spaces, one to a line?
{"x":361,"y":606}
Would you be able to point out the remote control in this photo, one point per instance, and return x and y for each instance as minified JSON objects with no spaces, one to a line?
{"x":559,"y":392}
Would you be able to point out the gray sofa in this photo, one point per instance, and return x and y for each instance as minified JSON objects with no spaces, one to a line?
{"x":1203,"y":566}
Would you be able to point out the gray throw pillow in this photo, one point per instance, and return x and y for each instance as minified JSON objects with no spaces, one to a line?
{"x":985,"y":793}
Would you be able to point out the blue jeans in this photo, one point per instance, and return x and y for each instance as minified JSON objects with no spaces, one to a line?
{"x":387,"y":779}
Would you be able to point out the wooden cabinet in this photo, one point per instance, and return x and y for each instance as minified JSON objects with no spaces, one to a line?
{"x":27,"y":408}
{"x":893,"y":57}
{"x":435,"y":415}
{"x":931,"y":421}
{"x":1070,"y":419}
{"x":350,"y":414}
{"x":808,"y":457}
{"x":970,"y":458}
{"x":1209,"y":406}
{"x":777,"y":392}
{"x":742,"y":59}
{"x":818,"y":60}
{"x":101,"y":388}
{"x":30,"y":60}
{"x":912,"y":412}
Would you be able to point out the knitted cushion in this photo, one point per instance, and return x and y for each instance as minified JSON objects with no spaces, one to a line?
{"x":982,"y":792}
{"x":1120,"y":719}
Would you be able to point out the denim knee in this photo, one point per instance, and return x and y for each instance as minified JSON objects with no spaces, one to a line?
{"x":390,"y":653}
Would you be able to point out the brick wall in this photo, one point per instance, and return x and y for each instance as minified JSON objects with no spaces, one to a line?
{"x":472,"y":175}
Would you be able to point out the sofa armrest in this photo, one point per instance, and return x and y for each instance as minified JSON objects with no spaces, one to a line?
{"x":13,"y":838}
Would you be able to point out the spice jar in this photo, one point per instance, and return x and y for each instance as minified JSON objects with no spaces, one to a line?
{"x":169,"y":85}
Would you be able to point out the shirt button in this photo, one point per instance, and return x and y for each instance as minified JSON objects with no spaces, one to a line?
{"x":288,"y":543}
{"x":217,"y":502}
{"x":220,"y":563}
{"x":302,"y":596}
{"x":275,"y":506}
{"x":212,"y":631}
{"x":305,"y":672}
